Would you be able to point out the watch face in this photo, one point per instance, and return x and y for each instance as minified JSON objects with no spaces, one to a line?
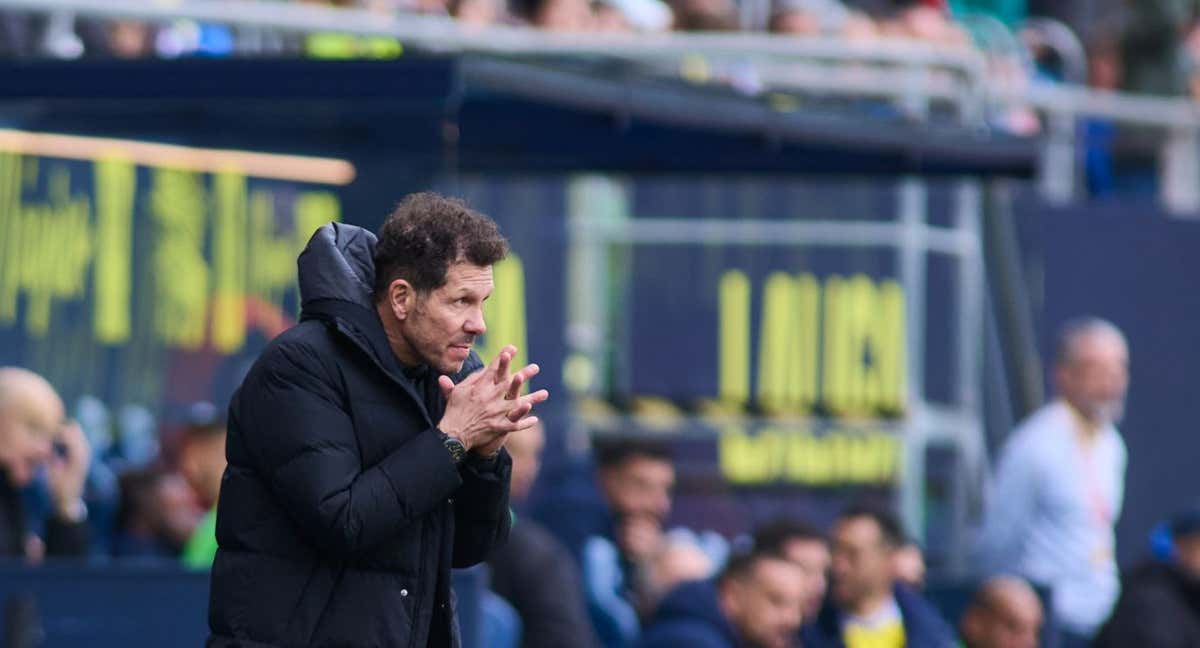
{"x":456,"y":448}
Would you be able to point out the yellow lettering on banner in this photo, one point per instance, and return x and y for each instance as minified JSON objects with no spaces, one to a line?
{"x":115,"y":186}
{"x":733,"y":303}
{"x":311,"y":210}
{"x":864,"y":346}
{"x":10,"y":236}
{"x":229,"y":261}
{"x":891,"y":340}
{"x":56,"y":248}
{"x":504,"y":312}
{"x":745,"y":458}
{"x":271,"y":267}
{"x":787,"y":360}
{"x":834,"y":459}
{"x":178,"y":209}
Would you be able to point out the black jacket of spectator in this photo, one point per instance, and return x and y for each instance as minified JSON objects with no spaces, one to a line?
{"x":62,"y":538}
{"x":923,"y":625}
{"x":1159,"y":608}
{"x":690,"y":617}
{"x":341,"y":512}
{"x":535,"y":573}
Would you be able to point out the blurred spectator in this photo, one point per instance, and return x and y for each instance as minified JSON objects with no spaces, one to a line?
{"x":808,"y":17}
{"x":923,"y":21}
{"x":477,"y":13}
{"x":756,"y":601}
{"x":533,"y":571}
{"x":563,"y":15}
{"x":820,"y":18}
{"x":1060,"y":481}
{"x":1004,"y":613}
{"x":202,"y":462}
{"x":158,"y":513}
{"x":678,"y":559}
{"x":805,"y":546}
{"x":1160,"y":602}
{"x":1154,"y":46}
{"x":34,"y":436}
{"x":868,"y":607}
{"x":612,"y":518}
{"x":704,"y":15}
{"x":909,"y":563}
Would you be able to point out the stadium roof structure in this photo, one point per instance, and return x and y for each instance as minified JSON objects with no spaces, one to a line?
{"x":474,"y":113}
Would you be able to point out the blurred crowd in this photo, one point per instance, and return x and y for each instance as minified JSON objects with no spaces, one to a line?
{"x":593,"y":559}
{"x":64,"y":36}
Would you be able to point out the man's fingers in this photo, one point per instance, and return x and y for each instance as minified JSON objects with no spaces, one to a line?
{"x":499,"y":366}
{"x":515,"y":414}
{"x":524,"y":424}
{"x":536,"y":397}
{"x":447,"y":386}
{"x":521,"y":377}
{"x":514,"y":386}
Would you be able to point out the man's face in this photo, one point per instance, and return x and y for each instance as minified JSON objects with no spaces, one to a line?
{"x":1011,"y":621}
{"x":812,"y":557}
{"x":1095,"y":376}
{"x":862,"y":561}
{"x":29,"y":425}
{"x":765,"y":604}
{"x":444,"y":322}
{"x":639,"y":487}
{"x":525,"y":448}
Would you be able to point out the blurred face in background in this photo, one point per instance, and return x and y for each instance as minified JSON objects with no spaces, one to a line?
{"x":1093,"y":375}
{"x":202,"y":463}
{"x":862,"y":563}
{"x":1008,"y":615}
{"x":764,"y":605}
{"x":811,"y":555}
{"x":525,"y":447}
{"x":31,"y":416}
{"x":1187,"y":553}
{"x":639,"y":486}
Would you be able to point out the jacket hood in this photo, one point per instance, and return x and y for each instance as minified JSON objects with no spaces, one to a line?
{"x":338,"y":264}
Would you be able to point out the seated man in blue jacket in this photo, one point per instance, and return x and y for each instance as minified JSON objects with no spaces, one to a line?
{"x":756,"y":602}
{"x":868,"y":608}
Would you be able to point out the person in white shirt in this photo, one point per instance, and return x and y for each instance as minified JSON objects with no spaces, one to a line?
{"x":1060,"y":481}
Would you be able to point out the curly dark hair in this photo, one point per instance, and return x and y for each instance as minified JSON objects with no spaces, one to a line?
{"x":426,"y":234}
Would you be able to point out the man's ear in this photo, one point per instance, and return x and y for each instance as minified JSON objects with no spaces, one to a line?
{"x":401,"y":298}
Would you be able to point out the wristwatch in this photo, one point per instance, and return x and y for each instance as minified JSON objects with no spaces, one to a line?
{"x":458,"y":451}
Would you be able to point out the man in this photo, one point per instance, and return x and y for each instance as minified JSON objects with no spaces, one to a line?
{"x":805,"y":546}
{"x":533,"y":571}
{"x":1160,"y":602}
{"x":755,"y":603}
{"x":156,"y":516}
{"x":869,"y":609}
{"x":617,"y":535}
{"x":365,"y":446}
{"x":1005,"y":613}
{"x":202,"y":463}
{"x":1059,"y":484}
{"x":33,"y":437}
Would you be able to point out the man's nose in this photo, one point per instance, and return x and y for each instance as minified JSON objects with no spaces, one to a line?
{"x":475,"y":324}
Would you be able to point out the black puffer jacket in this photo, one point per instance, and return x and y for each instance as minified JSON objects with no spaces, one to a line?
{"x":341,"y":512}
